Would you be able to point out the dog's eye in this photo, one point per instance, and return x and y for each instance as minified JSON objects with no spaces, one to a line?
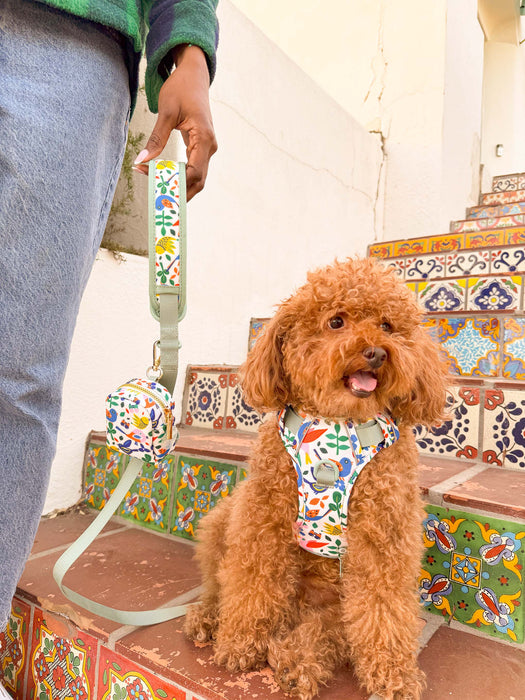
{"x":336,"y":322}
{"x":385,"y":326}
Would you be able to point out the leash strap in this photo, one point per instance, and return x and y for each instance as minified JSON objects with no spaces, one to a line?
{"x":167,"y":291}
{"x":124,"y":617}
{"x":167,"y":258}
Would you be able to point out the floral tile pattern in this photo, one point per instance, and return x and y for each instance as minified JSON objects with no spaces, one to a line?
{"x":257,"y":326}
{"x":468,"y":263}
{"x":381,"y":250}
{"x":120,"y":678}
{"x":471,"y":344}
{"x":514,"y":348}
{"x":442,"y":297}
{"x":424,"y":267}
{"x":238,"y":414}
{"x":414,"y":246}
{"x":494,"y":294}
{"x":472,"y":571}
{"x":483,"y":224}
{"x":205,"y":405}
{"x":504,"y":428}
{"x":444,"y":244}
{"x":458,"y":436}
{"x":14,"y":647}
{"x":507,"y":260}
{"x":60,"y":667}
{"x":505,"y":183}
{"x":147,"y":502}
{"x":199,"y":485}
{"x":497,"y":211}
{"x":485,"y":239}
{"x":103,"y":469}
{"x":494,"y":198}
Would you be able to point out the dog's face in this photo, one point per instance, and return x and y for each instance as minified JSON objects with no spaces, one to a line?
{"x":348,"y":345}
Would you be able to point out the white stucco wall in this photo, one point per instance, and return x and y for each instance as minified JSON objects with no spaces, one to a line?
{"x":461,"y":151}
{"x":293,"y":185}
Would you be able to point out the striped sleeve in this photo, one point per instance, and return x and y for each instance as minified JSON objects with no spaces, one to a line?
{"x":174,"y":22}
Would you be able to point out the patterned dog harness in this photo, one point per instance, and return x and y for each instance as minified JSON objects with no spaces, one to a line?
{"x":328,"y":457}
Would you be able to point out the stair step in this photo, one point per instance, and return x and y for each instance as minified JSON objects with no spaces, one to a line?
{"x":448,"y":243}
{"x":497,"y":211}
{"x":484,"y":224}
{"x":504,"y":183}
{"x":134,"y":567}
{"x":495,"y":198}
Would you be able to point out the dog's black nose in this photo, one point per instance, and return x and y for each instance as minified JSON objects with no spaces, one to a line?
{"x":374,"y":356}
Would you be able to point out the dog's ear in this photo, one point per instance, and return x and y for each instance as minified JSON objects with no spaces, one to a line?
{"x":426,"y":403}
{"x":263,"y":379}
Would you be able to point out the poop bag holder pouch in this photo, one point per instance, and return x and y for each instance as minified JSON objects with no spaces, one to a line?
{"x":140,"y":420}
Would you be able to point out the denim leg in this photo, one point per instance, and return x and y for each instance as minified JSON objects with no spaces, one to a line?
{"x":64,"y":102}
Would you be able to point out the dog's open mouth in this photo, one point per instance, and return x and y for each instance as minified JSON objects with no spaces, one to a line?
{"x":361,"y":384}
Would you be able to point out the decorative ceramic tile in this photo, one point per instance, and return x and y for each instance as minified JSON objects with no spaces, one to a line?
{"x":61,"y":666}
{"x":497,"y":211}
{"x":414,"y":246}
{"x":445,"y":244}
{"x":514,"y":348}
{"x":507,"y":260}
{"x":459,"y":436}
{"x":424,"y":267}
{"x":120,"y":678}
{"x":381,"y":250}
{"x":494,"y":294}
{"x":147,"y":502}
{"x":487,"y":239}
{"x":102,"y":471}
{"x":472,"y":571}
{"x":397,"y":265}
{"x":200,"y":484}
{"x":206,"y":401}
{"x":473,"y":262}
{"x":14,"y":648}
{"x":493,"y":198}
{"x":239,"y":415}
{"x":504,"y":428}
{"x":471,"y":344}
{"x":257,"y":326}
{"x":504,"y":183}
{"x":488,"y":223}
{"x":442,"y":297}
{"x":514,"y":236}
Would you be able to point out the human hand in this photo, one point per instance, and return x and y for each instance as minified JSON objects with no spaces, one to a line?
{"x":184,"y":105}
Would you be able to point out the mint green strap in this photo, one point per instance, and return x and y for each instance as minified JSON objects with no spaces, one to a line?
{"x":124,"y":617}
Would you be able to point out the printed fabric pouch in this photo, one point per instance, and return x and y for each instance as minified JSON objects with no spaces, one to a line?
{"x":140,"y":414}
{"x":140,"y":420}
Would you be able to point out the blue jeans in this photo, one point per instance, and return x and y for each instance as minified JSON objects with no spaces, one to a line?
{"x":64,"y":103}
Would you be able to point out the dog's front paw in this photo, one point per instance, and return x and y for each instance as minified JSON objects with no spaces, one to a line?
{"x":294,"y":674}
{"x":240,"y":654}
{"x":200,"y":623}
{"x":407,"y":684}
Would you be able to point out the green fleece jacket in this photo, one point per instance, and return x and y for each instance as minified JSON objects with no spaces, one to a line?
{"x":157,"y":26}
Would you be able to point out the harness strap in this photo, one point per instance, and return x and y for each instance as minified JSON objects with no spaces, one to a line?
{"x":369,"y":433}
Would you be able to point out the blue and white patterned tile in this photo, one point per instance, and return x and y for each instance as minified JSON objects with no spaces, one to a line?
{"x":507,"y":260}
{"x":504,"y":183}
{"x":443,"y":296}
{"x":468,"y":262}
{"x":494,"y":294}
{"x":424,"y":267}
{"x":239,"y":415}
{"x":514,"y":348}
{"x":504,"y":428}
{"x":396,"y":264}
{"x":459,"y":435}
{"x":205,"y":405}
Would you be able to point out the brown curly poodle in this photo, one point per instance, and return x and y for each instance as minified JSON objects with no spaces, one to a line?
{"x":347,"y":346}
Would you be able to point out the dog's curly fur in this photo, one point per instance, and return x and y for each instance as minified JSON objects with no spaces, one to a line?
{"x":266,"y":600}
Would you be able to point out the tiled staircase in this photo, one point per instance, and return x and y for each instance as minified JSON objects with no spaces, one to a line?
{"x":470,"y":283}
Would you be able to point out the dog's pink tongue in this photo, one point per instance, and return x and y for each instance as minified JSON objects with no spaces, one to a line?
{"x":364,"y":381}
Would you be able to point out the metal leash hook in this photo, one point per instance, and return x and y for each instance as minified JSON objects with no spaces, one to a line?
{"x":155,"y":371}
